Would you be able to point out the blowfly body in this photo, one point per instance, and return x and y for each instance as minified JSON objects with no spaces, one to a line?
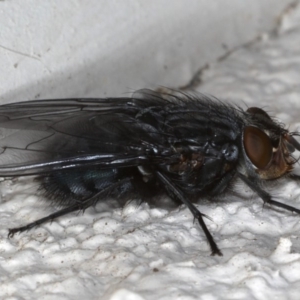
{"x":186,"y":146}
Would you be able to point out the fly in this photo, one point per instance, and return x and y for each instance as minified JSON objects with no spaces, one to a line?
{"x":186,"y":146}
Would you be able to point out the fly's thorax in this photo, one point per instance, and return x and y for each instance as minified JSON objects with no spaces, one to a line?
{"x":187,"y":163}
{"x":206,"y":162}
{"x":146,"y":172}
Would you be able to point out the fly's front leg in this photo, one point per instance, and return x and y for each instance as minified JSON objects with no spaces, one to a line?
{"x":172,"y":189}
{"x":266,"y":197}
{"x":223,"y":184}
{"x":295,"y":177}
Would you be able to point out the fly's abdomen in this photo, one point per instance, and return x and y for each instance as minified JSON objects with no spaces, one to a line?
{"x":77,"y":185}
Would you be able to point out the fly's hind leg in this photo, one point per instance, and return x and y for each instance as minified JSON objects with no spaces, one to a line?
{"x":62,"y":212}
{"x":83,"y":205}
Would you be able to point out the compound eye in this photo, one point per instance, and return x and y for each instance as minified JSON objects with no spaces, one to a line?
{"x":258,"y":146}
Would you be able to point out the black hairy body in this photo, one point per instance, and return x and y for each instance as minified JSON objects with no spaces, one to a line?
{"x":88,"y":150}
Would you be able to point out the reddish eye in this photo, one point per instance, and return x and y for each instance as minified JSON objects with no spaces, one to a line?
{"x":258,"y":146}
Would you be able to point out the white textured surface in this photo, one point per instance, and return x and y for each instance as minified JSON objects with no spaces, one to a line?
{"x":142,"y":253}
{"x":76,"y":48}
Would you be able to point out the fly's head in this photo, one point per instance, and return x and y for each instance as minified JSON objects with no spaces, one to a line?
{"x":267,"y":145}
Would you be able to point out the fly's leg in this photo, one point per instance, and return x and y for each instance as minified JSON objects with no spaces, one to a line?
{"x":83,"y":205}
{"x":62,"y":212}
{"x":266,"y":197}
{"x":294,"y":177}
{"x":223,"y":184}
{"x":171,"y":189}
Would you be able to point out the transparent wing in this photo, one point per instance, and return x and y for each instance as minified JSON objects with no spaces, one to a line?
{"x":46,"y":135}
